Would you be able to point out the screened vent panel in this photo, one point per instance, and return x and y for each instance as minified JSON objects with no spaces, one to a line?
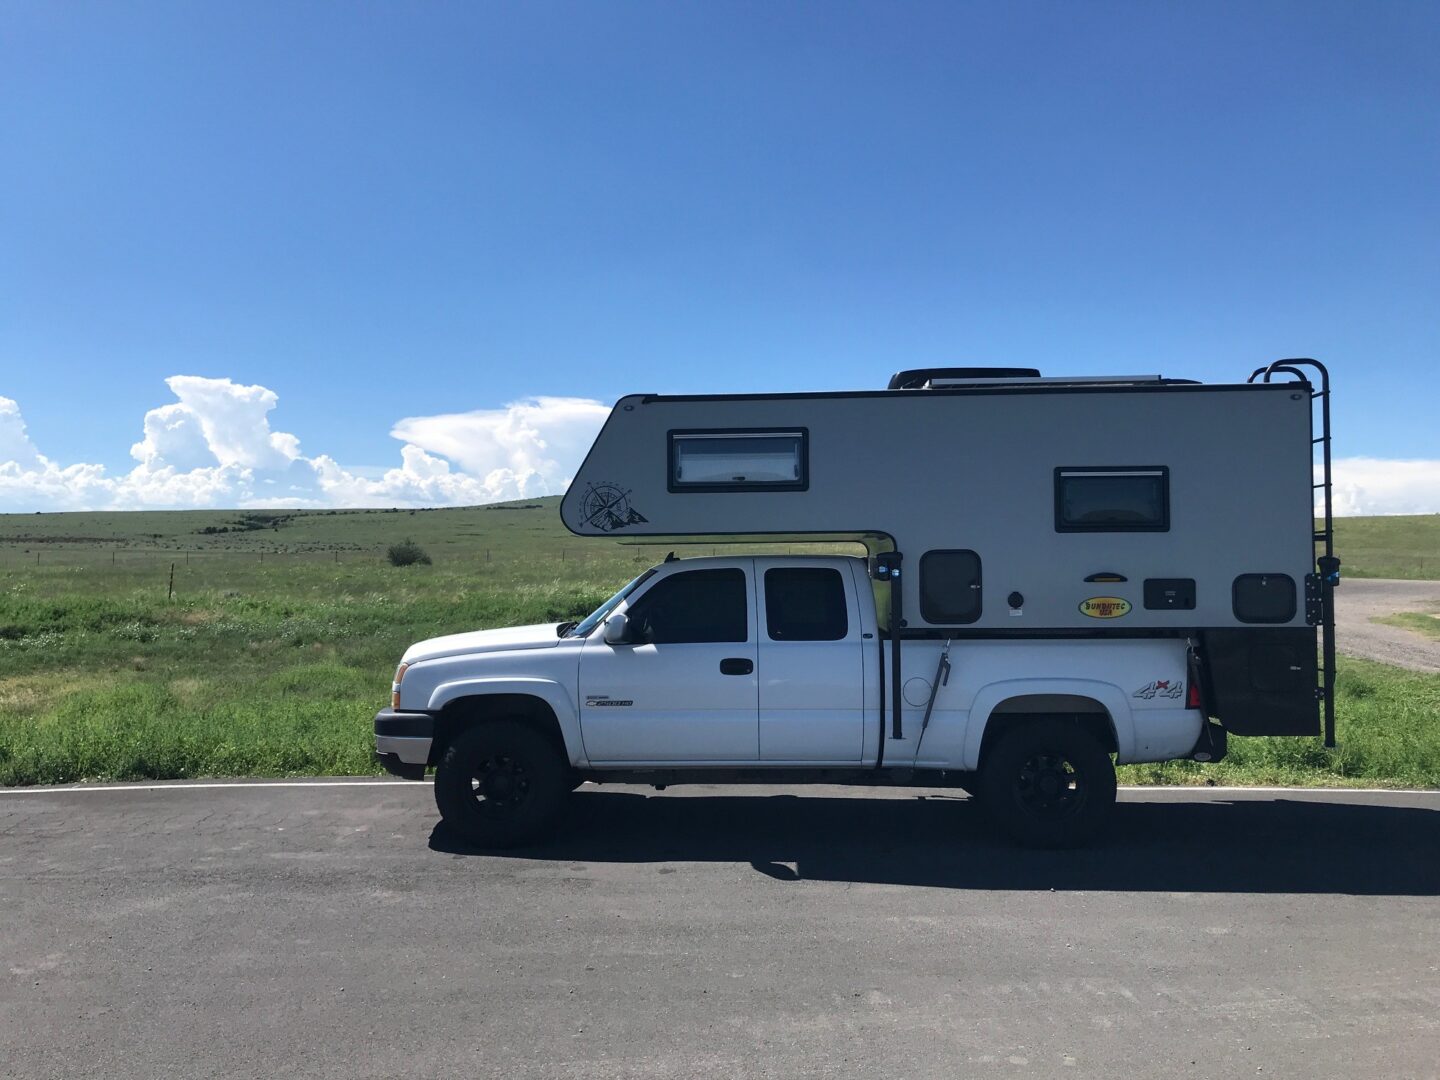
{"x":1264,"y":598}
{"x":950,"y":587}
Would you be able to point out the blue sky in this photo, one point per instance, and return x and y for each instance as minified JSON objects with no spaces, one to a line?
{"x":378,"y":212}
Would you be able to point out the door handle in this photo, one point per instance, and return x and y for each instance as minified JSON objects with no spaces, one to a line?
{"x":737,"y":665}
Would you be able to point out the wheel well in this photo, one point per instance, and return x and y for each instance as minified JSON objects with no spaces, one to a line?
{"x":463,"y":713}
{"x":1084,"y":711}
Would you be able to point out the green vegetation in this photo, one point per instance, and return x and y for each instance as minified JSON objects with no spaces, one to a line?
{"x":284,"y":628}
{"x":277,"y":674}
{"x":407,"y":553}
{"x":281,"y":638}
{"x":1387,"y":728}
{"x":1389,"y":547}
{"x":1427,"y":624}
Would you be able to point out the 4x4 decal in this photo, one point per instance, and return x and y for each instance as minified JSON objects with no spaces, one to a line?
{"x":1168,"y":688}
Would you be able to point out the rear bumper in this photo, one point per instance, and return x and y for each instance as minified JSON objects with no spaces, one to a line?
{"x":403,"y":741}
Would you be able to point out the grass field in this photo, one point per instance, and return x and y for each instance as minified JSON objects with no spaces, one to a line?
{"x":1419,"y":621}
{"x":1389,"y":547}
{"x":279,"y":640}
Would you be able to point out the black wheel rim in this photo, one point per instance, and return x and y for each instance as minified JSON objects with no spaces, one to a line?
{"x":499,"y":785}
{"x":1050,"y":786}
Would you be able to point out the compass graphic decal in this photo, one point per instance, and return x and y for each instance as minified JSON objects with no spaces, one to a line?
{"x":607,"y":507}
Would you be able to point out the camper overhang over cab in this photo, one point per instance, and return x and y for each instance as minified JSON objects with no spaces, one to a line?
{"x":996,"y":503}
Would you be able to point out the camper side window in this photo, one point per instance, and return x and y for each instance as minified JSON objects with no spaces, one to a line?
{"x":1112,"y":499}
{"x":693,"y":606}
{"x":731,"y":460}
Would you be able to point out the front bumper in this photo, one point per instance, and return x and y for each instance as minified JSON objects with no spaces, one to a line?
{"x":403,"y":741}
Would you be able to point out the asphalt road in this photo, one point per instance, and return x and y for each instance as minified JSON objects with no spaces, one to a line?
{"x":252,"y":931}
{"x":1359,"y":601}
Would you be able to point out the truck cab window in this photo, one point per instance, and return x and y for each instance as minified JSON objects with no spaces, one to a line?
{"x":805,"y":603}
{"x":693,"y":606}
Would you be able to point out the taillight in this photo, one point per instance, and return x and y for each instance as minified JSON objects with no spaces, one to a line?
{"x":1193,"y":699}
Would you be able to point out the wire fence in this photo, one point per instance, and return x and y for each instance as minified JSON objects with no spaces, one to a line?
{"x":16,"y":558}
{"x":122,"y":558}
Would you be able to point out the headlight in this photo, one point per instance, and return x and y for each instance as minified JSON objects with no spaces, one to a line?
{"x":395,"y":686}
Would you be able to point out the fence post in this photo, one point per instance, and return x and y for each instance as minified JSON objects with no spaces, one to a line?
{"x":170,"y":594}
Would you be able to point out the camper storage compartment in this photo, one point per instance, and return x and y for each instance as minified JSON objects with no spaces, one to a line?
{"x":1169,"y":594}
{"x":1263,"y":681}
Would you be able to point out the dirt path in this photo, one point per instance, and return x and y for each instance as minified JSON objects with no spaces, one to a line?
{"x":1360,"y":600}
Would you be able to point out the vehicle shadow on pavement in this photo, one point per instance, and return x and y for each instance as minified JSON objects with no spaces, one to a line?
{"x":1275,"y":845}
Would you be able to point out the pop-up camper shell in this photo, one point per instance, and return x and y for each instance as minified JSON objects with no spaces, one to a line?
{"x":995,"y":503}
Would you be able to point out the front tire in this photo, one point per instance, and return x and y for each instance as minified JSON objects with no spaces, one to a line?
{"x":1048,"y":783}
{"x":501,"y":784}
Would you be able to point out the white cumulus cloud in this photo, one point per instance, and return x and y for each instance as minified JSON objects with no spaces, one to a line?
{"x":528,"y":444}
{"x":1365,"y":485}
{"x":15,"y":445}
{"x":214,"y":447}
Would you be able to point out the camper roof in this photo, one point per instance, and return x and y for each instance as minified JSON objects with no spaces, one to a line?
{"x":939,"y":378}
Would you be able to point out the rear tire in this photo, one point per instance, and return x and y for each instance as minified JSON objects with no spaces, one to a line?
{"x":1048,"y":783}
{"x":501,"y":784}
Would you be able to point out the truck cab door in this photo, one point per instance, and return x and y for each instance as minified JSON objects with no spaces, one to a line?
{"x":684,"y":688}
{"x":812,"y":672}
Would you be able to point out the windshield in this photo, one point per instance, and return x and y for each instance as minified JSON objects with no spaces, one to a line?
{"x":596,"y":617}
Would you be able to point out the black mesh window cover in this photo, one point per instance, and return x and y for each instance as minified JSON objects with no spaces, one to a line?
{"x":950,"y":587}
{"x":805,"y":603}
{"x":693,"y":607}
{"x":1263,"y":598}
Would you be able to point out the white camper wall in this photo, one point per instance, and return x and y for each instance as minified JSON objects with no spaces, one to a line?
{"x":975,"y":469}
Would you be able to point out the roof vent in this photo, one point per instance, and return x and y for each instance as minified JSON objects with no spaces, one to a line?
{"x":918,"y":378}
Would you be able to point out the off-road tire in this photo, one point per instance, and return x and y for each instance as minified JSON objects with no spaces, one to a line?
{"x":1048,"y":783}
{"x":501,"y":784}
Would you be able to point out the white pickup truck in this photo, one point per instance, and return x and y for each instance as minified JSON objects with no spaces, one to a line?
{"x":774,"y":670}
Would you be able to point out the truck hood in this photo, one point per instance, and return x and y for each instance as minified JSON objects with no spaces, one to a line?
{"x":539,"y":636}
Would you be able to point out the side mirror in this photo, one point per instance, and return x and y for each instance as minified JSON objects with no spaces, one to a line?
{"x":617,"y":630}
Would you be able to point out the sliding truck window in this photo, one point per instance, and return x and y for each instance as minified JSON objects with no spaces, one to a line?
{"x":805,"y":603}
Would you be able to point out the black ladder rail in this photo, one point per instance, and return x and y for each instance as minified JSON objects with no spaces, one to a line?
{"x":1327,"y":565}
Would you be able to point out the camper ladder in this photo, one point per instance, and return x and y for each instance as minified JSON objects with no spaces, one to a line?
{"x":1319,"y":586}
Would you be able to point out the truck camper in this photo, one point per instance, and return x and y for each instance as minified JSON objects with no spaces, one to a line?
{"x":1058,"y":574}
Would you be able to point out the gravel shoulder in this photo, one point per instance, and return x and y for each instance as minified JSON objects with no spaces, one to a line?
{"x":1358,"y":601}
